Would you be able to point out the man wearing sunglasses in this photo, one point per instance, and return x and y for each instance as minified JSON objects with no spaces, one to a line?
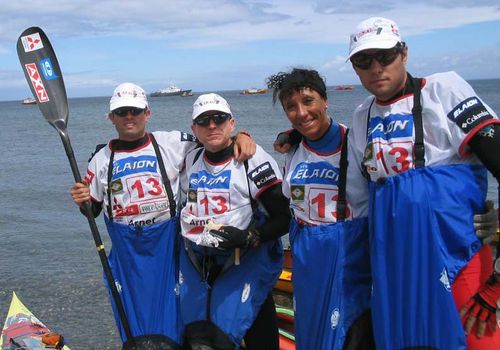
{"x":135,"y":178}
{"x":229,"y":269}
{"x":424,"y":145}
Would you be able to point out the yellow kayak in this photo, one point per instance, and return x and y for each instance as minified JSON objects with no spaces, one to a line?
{"x":22,"y":330}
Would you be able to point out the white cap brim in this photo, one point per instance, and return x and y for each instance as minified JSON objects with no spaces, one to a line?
{"x":374,"y":44}
{"x":210,"y":102}
{"x":209,"y":108}
{"x":127,"y":102}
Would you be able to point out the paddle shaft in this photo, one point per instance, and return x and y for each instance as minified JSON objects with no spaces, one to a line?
{"x":44,"y":77}
{"x":87,"y":207}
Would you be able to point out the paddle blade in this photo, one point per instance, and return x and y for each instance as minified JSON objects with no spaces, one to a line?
{"x":42,"y":71}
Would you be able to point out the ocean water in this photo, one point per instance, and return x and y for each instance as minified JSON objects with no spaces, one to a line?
{"x":47,"y":254}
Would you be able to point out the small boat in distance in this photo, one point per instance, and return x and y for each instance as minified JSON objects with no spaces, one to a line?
{"x":253,"y":91}
{"x":172,"y":90}
{"x":344,"y":87}
{"x":29,"y":101}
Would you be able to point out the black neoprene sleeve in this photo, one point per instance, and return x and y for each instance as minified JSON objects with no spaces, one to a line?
{"x":486,"y":146}
{"x":295,"y":137}
{"x":277,"y":206}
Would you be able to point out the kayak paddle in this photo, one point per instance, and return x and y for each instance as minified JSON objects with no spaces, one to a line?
{"x":42,"y":71}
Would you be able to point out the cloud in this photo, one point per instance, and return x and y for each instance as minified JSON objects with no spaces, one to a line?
{"x":355,"y":7}
{"x":199,"y":23}
{"x":468,"y":64}
{"x":11,"y":78}
{"x":221,"y":43}
{"x":4,"y":50}
{"x":149,"y":18}
{"x":338,"y":62}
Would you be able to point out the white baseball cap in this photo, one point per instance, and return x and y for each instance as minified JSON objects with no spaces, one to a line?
{"x":374,"y":33}
{"x":128,"y":95}
{"x":210,"y":102}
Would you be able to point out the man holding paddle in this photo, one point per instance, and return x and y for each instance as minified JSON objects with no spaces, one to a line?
{"x":135,"y":179}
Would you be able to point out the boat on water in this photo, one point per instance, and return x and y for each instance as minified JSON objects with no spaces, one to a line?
{"x":344,"y":87}
{"x":29,"y":101}
{"x":253,"y":91}
{"x":23,"y":330}
{"x":172,"y":90}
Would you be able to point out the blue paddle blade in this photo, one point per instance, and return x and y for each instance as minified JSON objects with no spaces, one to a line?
{"x":43,"y":74}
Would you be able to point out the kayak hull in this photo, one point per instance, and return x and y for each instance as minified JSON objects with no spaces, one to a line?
{"x":23,"y":330}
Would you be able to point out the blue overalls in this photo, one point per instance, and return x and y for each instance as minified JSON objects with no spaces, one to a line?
{"x":231,"y":303}
{"x":421,"y":236}
{"x":331,"y":275}
{"x":218,"y":312}
{"x":143,"y":261}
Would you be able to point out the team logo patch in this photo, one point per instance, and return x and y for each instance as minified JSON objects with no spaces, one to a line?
{"x":393,"y":126}
{"x":127,"y":211}
{"x":335,"y":318}
{"x":297,"y":192}
{"x":153,"y":207}
{"x":36,"y":81}
{"x":118,"y":286}
{"x":47,"y":69}
{"x":89,"y":176}
{"x":444,"y":280}
{"x":487,"y":131}
{"x":246,"y":292}
{"x":469,"y":113}
{"x":315,"y":173}
{"x":188,"y":137}
{"x":116,"y":186}
{"x":368,"y":155}
{"x":192,"y":195}
{"x":32,"y":42}
{"x":203,"y":179}
{"x":262,"y":175}
{"x":134,"y":165}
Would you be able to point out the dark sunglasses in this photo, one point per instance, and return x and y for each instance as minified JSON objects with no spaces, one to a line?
{"x":124,"y":111}
{"x":384,"y":57}
{"x":218,"y":119}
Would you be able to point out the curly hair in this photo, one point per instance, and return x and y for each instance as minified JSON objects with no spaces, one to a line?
{"x":285,"y":84}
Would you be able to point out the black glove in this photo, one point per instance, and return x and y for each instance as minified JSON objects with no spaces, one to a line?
{"x":231,"y":237}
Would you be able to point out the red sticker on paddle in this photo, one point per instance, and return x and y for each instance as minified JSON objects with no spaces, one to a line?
{"x":37,"y":83}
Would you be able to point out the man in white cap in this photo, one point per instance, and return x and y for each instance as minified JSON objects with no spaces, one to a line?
{"x":225,"y":298}
{"x":425,"y":145}
{"x":135,"y":178}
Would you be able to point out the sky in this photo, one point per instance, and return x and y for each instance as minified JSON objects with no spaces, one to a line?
{"x":214,"y":45}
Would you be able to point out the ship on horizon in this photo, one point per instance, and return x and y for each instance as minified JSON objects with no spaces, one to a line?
{"x":172,"y":90}
{"x":28,"y":101}
{"x":253,"y":91}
